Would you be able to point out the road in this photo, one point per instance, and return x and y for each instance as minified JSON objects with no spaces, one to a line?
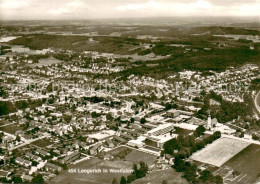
{"x":257,"y":101}
{"x":27,"y":141}
{"x":7,"y":124}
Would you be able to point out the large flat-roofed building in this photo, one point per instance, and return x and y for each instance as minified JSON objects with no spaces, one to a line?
{"x":95,"y":149}
{"x":135,"y":143}
{"x":70,"y":158}
{"x":161,"y":129}
{"x":101,"y":136}
{"x":23,"y":162}
{"x":52,"y":167}
{"x":119,"y":139}
{"x":172,"y":113}
{"x":158,"y":136}
{"x":131,"y":132}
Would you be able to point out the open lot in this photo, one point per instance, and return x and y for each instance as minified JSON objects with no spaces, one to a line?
{"x":136,"y":156}
{"x":42,"y":142}
{"x":247,"y":163}
{"x":133,"y":155}
{"x":220,"y":151}
{"x":11,"y":129}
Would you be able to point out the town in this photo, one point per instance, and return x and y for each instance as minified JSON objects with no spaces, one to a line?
{"x":65,"y":115}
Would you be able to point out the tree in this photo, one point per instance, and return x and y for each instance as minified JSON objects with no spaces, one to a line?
{"x":132,"y":120}
{"x":171,"y":145}
{"x":2,"y":162}
{"x":38,"y":179}
{"x":179,"y":164}
{"x":17,"y":179}
{"x":143,"y":120}
{"x":123,"y":180}
{"x":164,"y":182}
{"x":190,"y":173}
{"x":130,"y":178}
{"x":217,"y":135}
{"x":218,"y":179}
{"x":109,"y":117}
{"x":114,"y":181}
{"x":206,"y":175}
{"x":142,"y":171}
{"x":18,"y":138}
{"x":34,"y":163}
{"x":2,"y":92}
{"x":199,"y":131}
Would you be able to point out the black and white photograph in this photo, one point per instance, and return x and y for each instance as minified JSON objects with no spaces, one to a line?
{"x":130,"y":91}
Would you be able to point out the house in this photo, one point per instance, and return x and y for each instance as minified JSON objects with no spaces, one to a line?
{"x":70,"y":158}
{"x":172,"y":113}
{"x":4,"y":174}
{"x":42,"y":152}
{"x":119,"y":139}
{"x":148,"y":126}
{"x":100,"y":136}
{"x":131,"y":132}
{"x":136,"y":143}
{"x":161,"y":134}
{"x":170,"y":158}
{"x":110,"y":143}
{"x":33,"y":157}
{"x":23,"y":162}
{"x":52,"y":167}
{"x":27,"y":178}
{"x":95,"y":149}
{"x":127,"y":136}
{"x":108,"y":156}
{"x":141,"y":130}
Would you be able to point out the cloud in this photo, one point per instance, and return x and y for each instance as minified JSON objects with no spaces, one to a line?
{"x":250,"y":9}
{"x":59,"y":11}
{"x":13,"y":4}
{"x":73,"y":7}
{"x":79,"y":9}
{"x":137,"y":7}
{"x":174,"y":8}
{"x":192,"y":8}
{"x":75,"y":4}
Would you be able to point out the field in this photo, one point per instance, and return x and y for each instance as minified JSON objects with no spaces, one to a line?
{"x":246,"y":162}
{"x":97,"y":178}
{"x":132,"y":155}
{"x":220,"y":151}
{"x":136,"y":156}
{"x":170,"y":175}
{"x":11,"y":129}
{"x":42,"y":143}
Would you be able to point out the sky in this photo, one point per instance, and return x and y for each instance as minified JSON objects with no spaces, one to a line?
{"x":95,"y":9}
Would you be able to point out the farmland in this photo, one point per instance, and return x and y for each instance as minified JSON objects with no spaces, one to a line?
{"x":11,"y":128}
{"x":220,"y":151}
{"x":133,"y":156}
{"x":246,"y":162}
{"x":42,"y":143}
{"x":136,"y":156}
{"x":66,"y":177}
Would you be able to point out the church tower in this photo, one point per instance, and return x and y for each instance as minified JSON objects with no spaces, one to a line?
{"x":209,"y":122}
